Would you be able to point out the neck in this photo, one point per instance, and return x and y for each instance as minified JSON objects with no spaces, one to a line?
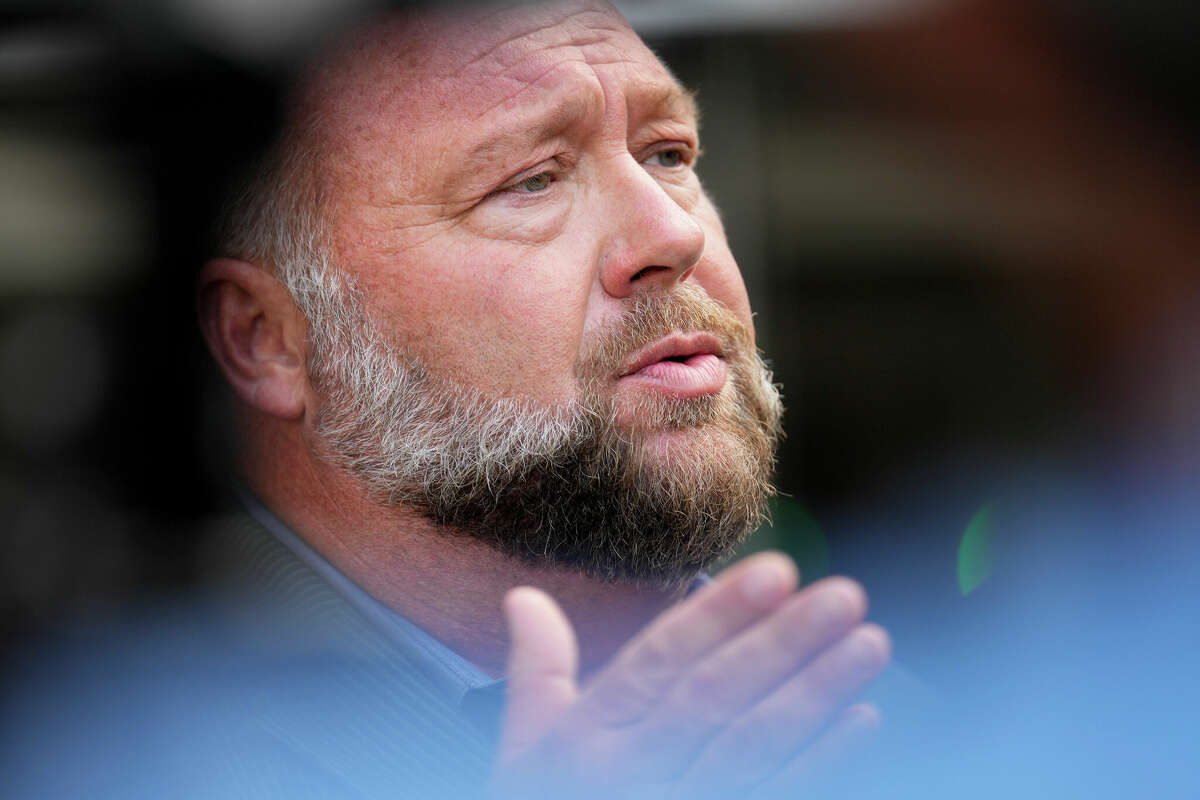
{"x":448,"y":584}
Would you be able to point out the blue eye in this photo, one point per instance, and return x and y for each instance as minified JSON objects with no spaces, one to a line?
{"x":535,"y":183}
{"x":669,"y":158}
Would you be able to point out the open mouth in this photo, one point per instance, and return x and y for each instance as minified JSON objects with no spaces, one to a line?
{"x":682,"y":364}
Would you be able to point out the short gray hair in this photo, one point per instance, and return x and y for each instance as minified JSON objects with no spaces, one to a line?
{"x":279,"y":221}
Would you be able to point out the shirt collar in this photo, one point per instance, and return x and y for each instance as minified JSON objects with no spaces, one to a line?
{"x":479,"y":696}
{"x":450,"y":672}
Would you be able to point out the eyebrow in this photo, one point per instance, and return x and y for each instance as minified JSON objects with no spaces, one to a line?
{"x":672,"y":100}
{"x":527,"y":132}
{"x":524,"y":133}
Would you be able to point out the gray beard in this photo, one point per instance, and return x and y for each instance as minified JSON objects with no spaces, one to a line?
{"x":560,"y":487}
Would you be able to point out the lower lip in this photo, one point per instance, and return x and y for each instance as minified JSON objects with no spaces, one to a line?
{"x":701,"y":374}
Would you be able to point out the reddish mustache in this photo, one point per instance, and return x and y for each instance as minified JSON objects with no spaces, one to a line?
{"x":657,"y":319}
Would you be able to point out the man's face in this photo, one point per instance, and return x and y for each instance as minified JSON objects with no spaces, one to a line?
{"x":509,"y":191}
{"x":505,"y":184}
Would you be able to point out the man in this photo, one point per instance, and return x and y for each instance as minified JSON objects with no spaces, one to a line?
{"x":497,"y":384}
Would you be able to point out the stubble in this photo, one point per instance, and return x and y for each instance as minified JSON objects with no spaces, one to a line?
{"x":566,"y":486}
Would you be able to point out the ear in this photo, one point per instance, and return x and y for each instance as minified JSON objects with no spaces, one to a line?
{"x":256,"y":334}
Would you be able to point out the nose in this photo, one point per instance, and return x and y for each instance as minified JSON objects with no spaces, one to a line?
{"x":653,"y":242}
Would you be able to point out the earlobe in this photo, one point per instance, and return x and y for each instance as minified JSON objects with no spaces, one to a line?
{"x":256,"y":334}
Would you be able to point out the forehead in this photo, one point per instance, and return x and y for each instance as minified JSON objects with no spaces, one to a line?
{"x":454,"y":77}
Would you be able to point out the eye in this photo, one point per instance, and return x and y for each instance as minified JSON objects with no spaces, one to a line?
{"x":673,"y":157}
{"x":533,"y":184}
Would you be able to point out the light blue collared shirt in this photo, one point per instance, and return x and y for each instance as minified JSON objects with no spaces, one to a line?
{"x":479,"y":696}
{"x":449,"y":671}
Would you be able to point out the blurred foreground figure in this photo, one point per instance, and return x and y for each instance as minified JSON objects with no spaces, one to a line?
{"x":484,"y":332}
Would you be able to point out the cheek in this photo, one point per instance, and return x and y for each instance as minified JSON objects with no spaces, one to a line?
{"x":723,"y":282}
{"x":523,"y":220}
{"x":505,"y":322}
{"x":719,"y":275}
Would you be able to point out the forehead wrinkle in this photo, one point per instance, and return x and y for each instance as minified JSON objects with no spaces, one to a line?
{"x":392,"y":78}
{"x":577,"y":35}
{"x":558,"y":110}
{"x":524,"y":134}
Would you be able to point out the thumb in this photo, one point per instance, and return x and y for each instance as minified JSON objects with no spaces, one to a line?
{"x":543,"y":661}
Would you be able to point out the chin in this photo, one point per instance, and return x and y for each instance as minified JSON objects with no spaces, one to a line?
{"x":646,"y":412}
{"x":677,"y":447}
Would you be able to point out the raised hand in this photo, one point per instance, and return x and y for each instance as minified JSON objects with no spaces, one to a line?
{"x":744,"y":687}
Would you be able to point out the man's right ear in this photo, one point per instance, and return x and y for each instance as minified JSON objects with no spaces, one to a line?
{"x":256,"y":334}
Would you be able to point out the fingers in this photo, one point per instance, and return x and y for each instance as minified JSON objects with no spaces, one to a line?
{"x":735,"y":676}
{"x":653,"y":661}
{"x":722,"y":693}
{"x":768,"y":736}
{"x":821,"y":765}
{"x":543,"y":662}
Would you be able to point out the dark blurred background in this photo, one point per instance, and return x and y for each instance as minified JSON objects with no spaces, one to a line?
{"x":967,"y":227}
